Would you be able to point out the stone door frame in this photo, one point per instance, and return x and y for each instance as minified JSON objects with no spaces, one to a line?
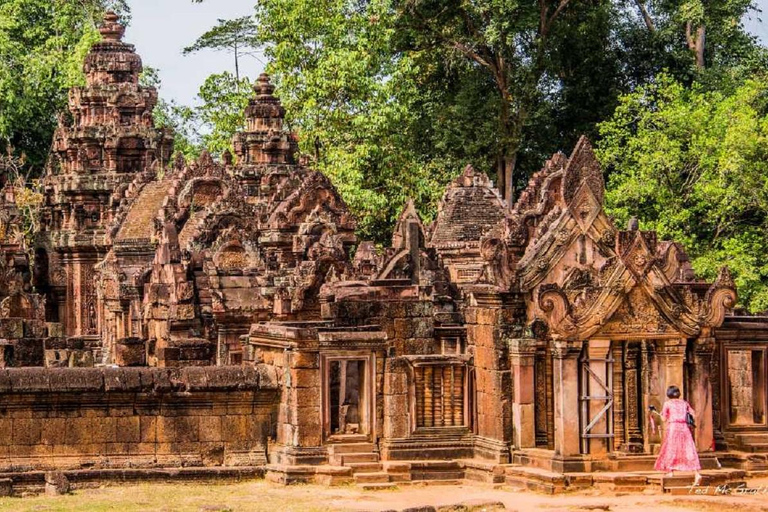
{"x":367,"y":391}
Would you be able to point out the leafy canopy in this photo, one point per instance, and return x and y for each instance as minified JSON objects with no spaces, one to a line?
{"x":42,"y":47}
{"x":692,"y":164}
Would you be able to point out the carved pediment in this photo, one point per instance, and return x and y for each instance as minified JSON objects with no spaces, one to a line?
{"x":623,"y":302}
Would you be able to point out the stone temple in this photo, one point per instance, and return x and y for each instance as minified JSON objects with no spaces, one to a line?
{"x":221,"y":319}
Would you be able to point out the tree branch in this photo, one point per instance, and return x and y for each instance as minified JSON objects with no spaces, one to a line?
{"x":646,"y":17}
{"x":545,"y":21}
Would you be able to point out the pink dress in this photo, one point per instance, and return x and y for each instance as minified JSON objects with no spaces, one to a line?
{"x":678,"y":450}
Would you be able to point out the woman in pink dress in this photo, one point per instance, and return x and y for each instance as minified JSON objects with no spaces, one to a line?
{"x":678,"y":450}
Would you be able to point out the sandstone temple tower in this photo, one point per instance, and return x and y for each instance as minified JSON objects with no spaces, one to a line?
{"x":107,"y":138}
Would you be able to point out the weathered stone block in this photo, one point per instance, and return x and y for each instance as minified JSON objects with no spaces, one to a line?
{"x":26,"y":431}
{"x":6,"y":487}
{"x":210,"y":429}
{"x":128,"y":430}
{"x":56,"y":483}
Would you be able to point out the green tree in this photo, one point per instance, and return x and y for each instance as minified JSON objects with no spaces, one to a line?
{"x":42,"y":46}
{"x":393,"y":97}
{"x":695,"y":34}
{"x":693,"y":165}
{"x":221,"y":112}
{"x":355,"y":105}
{"x":237,"y":37}
{"x":183,"y":120}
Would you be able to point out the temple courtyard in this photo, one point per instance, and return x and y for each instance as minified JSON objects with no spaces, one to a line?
{"x":261,"y":495}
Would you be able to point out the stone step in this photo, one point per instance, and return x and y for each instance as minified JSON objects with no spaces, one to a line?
{"x":755,"y":448}
{"x":365,"y":467}
{"x":347,"y":458}
{"x":452,"y":481}
{"x":534,"y":479}
{"x":343,"y":448}
{"x":760,"y":437}
{"x":371,"y":478}
{"x":399,"y":477}
{"x":377,"y":486}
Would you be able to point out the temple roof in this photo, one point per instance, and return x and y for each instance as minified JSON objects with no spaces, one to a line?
{"x":139,"y":223}
{"x":468,"y":210}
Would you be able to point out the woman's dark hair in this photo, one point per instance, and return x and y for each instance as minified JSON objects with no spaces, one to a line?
{"x":673,"y":392}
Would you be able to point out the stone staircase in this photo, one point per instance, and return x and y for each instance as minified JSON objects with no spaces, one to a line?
{"x":370,"y":473}
{"x":540,"y":480}
{"x":363,"y":458}
{"x":753,"y":442}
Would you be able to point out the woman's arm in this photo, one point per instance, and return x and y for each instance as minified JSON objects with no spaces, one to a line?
{"x":665,"y":412}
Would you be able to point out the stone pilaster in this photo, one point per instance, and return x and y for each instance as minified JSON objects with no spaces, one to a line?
{"x":522,"y":357}
{"x":671,"y":354}
{"x":700,"y":394}
{"x":489,"y":319}
{"x":565,"y":361}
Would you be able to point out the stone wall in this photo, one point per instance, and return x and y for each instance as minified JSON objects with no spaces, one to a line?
{"x":135,"y":417}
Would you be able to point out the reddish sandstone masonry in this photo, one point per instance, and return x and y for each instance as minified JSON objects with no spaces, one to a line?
{"x":135,"y":417}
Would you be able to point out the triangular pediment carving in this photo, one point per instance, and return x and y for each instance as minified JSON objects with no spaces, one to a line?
{"x":585,"y":207}
{"x":623,"y":301}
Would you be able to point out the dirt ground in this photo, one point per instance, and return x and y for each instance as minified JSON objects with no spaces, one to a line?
{"x":263,"y":496}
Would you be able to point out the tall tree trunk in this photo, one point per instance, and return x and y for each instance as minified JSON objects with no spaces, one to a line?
{"x":696,"y":44}
{"x":237,"y":70}
{"x":701,"y":37}
{"x":500,"y":174}
{"x":510,"y":163}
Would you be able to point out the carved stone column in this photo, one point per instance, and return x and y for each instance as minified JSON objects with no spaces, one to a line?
{"x":490,"y":319}
{"x":522,"y":356}
{"x":700,"y":394}
{"x":671,"y":359}
{"x":633,"y":402}
{"x":565,"y":364}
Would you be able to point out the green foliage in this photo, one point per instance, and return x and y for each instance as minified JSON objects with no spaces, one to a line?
{"x":393,"y":97}
{"x":693,"y":164}
{"x":352,"y":102}
{"x":222,"y":111}
{"x":29,"y":200}
{"x":180,"y":118}
{"x":42,"y":46}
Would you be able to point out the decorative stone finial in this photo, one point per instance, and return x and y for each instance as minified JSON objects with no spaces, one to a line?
{"x":633,"y":224}
{"x":112,"y":29}
{"x":263,"y":87}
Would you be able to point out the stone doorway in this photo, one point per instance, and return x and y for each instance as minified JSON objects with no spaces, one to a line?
{"x":596,"y":397}
{"x":348,"y":397}
{"x":745,"y":386}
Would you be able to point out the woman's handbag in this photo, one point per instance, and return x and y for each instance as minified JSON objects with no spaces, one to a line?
{"x":690,"y":420}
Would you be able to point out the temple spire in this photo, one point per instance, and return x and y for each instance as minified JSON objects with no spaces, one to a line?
{"x":111,"y":29}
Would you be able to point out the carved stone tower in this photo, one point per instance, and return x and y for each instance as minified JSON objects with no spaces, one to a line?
{"x":105,"y":142}
{"x":264,"y":141}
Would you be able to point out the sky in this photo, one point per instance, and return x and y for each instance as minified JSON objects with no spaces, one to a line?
{"x":160,"y":29}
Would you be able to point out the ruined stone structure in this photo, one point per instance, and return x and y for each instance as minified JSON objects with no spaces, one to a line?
{"x":223,"y":322}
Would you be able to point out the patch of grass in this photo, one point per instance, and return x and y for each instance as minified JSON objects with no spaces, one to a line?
{"x":245,"y":497}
